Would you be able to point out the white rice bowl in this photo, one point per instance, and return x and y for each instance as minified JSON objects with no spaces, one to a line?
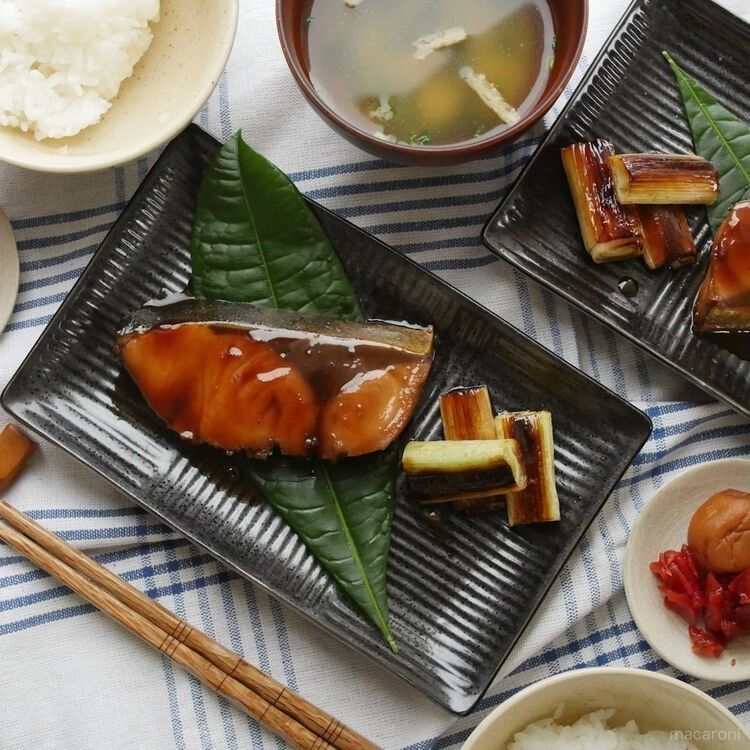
{"x":592,"y":732}
{"x":63,"y":61}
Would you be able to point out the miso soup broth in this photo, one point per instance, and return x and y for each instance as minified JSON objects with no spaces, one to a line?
{"x":430,"y":72}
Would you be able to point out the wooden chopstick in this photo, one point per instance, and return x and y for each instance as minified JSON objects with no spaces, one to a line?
{"x":284,"y":712}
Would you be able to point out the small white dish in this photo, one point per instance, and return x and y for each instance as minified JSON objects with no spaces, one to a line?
{"x":662,"y":525}
{"x":169,"y":85}
{"x":9,"y":271}
{"x":653,"y":700}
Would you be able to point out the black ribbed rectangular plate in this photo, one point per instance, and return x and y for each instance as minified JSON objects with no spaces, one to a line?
{"x":460,"y":596}
{"x":630,"y":96}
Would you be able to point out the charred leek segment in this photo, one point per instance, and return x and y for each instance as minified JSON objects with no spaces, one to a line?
{"x":667,"y":239}
{"x":467,"y":414}
{"x":611,"y":232}
{"x":537,"y":502}
{"x":440,"y":471}
{"x":664,"y":179}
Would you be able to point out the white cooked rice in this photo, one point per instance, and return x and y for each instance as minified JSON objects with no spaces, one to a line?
{"x":592,"y":732}
{"x":62,"y":61}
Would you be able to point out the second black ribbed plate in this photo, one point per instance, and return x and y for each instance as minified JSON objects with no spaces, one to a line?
{"x":460,"y":594}
{"x":631,"y":97}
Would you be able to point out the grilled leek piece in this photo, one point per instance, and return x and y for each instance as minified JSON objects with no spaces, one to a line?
{"x":467,"y":414}
{"x":667,"y":239}
{"x":610,"y":231}
{"x":538,"y":501}
{"x":440,"y":471}
{"x":664,"y":179}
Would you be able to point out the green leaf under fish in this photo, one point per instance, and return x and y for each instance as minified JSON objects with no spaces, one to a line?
{"x":256,"y":240}
{"x":721,"y":138}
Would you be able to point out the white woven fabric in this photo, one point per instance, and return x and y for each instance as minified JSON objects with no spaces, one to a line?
{"x":70,"y":678}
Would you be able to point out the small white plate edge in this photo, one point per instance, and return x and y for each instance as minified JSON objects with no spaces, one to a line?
{"x":650,"y":615}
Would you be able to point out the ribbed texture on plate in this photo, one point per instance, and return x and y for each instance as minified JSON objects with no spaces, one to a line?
{"x":630,"y":96}
{"x":460,"y":596}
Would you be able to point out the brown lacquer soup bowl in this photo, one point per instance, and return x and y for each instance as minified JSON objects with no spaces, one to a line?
{"x":569,"y":17}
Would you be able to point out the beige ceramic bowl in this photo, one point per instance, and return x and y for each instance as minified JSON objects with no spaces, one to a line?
{"x":172,"y":81}
{"x":653,"y":700}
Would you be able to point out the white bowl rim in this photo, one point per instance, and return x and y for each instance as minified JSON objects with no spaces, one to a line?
{"x":72,"y":164}
{"x":574,"y":674}
{"x":14,"y":271}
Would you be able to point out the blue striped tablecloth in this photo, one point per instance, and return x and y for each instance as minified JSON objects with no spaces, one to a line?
{"x":69,"y":678}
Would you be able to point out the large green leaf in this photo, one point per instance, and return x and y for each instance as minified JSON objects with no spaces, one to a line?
{"x":256,"y":240}
{"x":721,"y":138}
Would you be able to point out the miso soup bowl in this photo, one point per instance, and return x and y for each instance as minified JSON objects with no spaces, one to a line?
{"x":570,"y":19}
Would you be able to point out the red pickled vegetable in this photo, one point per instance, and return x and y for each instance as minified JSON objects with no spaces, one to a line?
{"x":716,"y":606}
{"x":705,"y":644}
{"x":740,"y":586}
{"x":680,"y":605}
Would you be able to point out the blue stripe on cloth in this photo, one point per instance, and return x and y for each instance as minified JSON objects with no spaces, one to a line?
{"x":50,"y":616}
{"x":660,"y":432}
{"x":40,"y":243}
{"x":525,"y":144}
{"x":39,"y":263}
{"x":421,"y":204}
{"x":20,"y":325}
{"x":110,"y":557}
{"x":283,"y":638}
{"x":207,"y":625}
{"x":623,"y":651}
{"x":410,"y":183}
{"x":522,"y":287}
{"x":47,"y":220}
{"x":713,"y":433}
{"x":176,"y":590}
{"x":569,"y":599}
{"x":446,"y":244}
{"x":235,"y":642}
{"x":166,"y":662}
{"x":106,"y":558}
{"x":11,"y":560}
{"x":687,"y":461}
{"x":115,"y":532}
{"x":145,"y":572}
{"x":40,"y":283}
{"x":423,"y":225}
{"x":120,"y":193}
{"x":261,"y":650}
{"x":458,"y":264}
{"x":553,"y":326}
{"x":45,"y":514}
{"x":39,"y":302}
